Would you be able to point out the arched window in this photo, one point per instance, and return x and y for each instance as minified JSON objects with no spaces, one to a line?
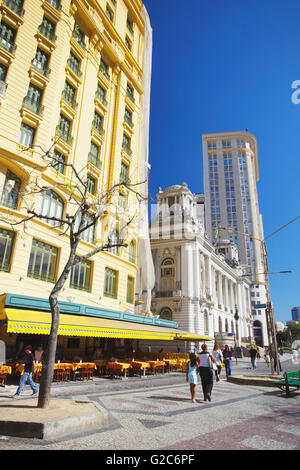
{"x":11,"y":190}
{"x":226,"y":325}
{"x":51,"y":205}
{"x":167,"y":275}
{"x":166,"y":313}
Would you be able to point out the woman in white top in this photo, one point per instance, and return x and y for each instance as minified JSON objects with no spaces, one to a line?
{"x":205,"y":372}
{"x":217,"y":353}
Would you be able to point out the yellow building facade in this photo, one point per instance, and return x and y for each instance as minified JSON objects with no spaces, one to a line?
{"x":70,"y":77}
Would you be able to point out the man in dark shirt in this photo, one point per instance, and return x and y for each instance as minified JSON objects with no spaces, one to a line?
{"x":27,"y":375}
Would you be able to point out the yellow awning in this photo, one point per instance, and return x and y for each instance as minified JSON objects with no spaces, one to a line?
{"x":36,"y":322}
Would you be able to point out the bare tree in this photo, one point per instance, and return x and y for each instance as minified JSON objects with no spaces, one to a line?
{"x":82,"y":213}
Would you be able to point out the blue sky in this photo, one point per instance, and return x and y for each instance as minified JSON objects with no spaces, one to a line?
{"x":224,"y":66}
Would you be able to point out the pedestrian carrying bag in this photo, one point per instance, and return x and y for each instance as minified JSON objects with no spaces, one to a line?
{"x":212,"y":365}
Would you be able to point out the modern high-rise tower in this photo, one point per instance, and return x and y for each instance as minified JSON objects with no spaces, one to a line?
{"x":230,"y":175}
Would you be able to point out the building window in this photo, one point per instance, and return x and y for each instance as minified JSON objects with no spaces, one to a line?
{"x":166,"y":314}
{"x":91,"y":184}
{"x":87,"y":234}
{"x":104,"y":69}
{"x":3,"y":72}
{"x":132,"y":252}
{"x":124,"y":173}
{"x":126,"y":145}
{"x":109,"y":13}
{"x":114,"y":241}
{"x":122,"y":201}
{"x":11,"y":190}
{"x":167,"y":275}
{"x":74,"y":64}
{"x":51,"y":205}
{"x":68,"y":94}
{"x":26,"y":135}
{"x":128,"y":118}
{"x":129,"y":25}
{"x":47,"y":29}
{"x":63,"y":129}
{"x":128,"y":43}
{"x":101,"y":94}
{"x":211,"y":145}
{"x":97,"y":123}
{"x":94,"y":155}
{"x":59,"y":162}
{"x":130,"y":290}
{"x":40,"y":62}
{"x":7,"y":37}
{"x":42,"y":261}
{"x":78,"y":35}
{"x":226,"y":144}
{"x":130,"y":93}
{"x":55,"y":3}
{"x":110,"y":283}
{"x":6,"y":246}
{"x":80,"y":277}
{"x":32,"y":101}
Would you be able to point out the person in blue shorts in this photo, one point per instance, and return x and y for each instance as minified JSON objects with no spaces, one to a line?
{"x":191,"y":375}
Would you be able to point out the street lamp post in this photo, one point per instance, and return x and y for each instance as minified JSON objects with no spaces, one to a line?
{"x":269,"y":307}
{"x":236,"y":337}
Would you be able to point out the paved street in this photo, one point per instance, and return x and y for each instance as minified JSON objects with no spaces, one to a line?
{"x":157,"y":413}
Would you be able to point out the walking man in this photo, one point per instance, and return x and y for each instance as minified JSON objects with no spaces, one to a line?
{"x":253,"y":356}
{"x":29,"y":367}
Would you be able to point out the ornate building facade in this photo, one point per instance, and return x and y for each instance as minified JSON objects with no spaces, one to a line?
{"x":197,"y":286}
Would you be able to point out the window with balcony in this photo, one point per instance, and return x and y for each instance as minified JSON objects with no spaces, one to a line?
{"x":63,"y":130}
{"x":130,"y":290}
{"x":74,"y":64}
{"x":42,"y":261}
{"x":11,"y":190}
{"x":68,"y":95}
{"x":59,"y":162}
{"x":32,"y":101}
{"x":167,"y":277}
{"x":51,"y":205}
{"x":80,"y":277}
{"x":97,"y":124}
{"x":47,"y":29}
{"x":6,"y":247}
{"x":55,"y":3}
{"x":16,"y":6}
{"x":7,"y":37}
{"x":110,"y":283}
{"x":101,"y":95}
{"x":40,"y":62}
{"x":3,"y":72}
{"x":124,"y":173}
{"x":26,"y":135}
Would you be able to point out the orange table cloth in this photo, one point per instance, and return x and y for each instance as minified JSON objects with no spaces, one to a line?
{"x":5,"y":370}
{"x":120,"y":366}
{"x":84,"y":365}
{"x":38,"y":367}
{"x":157,"y":363}
{"x":140,"y":364}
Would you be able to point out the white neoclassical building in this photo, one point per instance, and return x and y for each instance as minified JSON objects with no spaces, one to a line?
{"x":197,"y":285}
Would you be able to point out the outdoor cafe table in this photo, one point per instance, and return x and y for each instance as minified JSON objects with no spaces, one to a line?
{"x":4,"y":371}
{"x":157,"y":364}
{"x":84,"y":368}
{"x":141,"y":365}
{"x":172,"y":363}
{"x":119,"y":367}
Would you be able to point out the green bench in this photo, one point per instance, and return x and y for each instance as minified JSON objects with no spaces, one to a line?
{"x":289,"y":382}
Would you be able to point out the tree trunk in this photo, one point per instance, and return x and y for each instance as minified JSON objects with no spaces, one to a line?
{"x":49,"y":361}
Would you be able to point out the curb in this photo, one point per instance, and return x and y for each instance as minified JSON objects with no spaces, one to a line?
{"x":263,"y":381}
